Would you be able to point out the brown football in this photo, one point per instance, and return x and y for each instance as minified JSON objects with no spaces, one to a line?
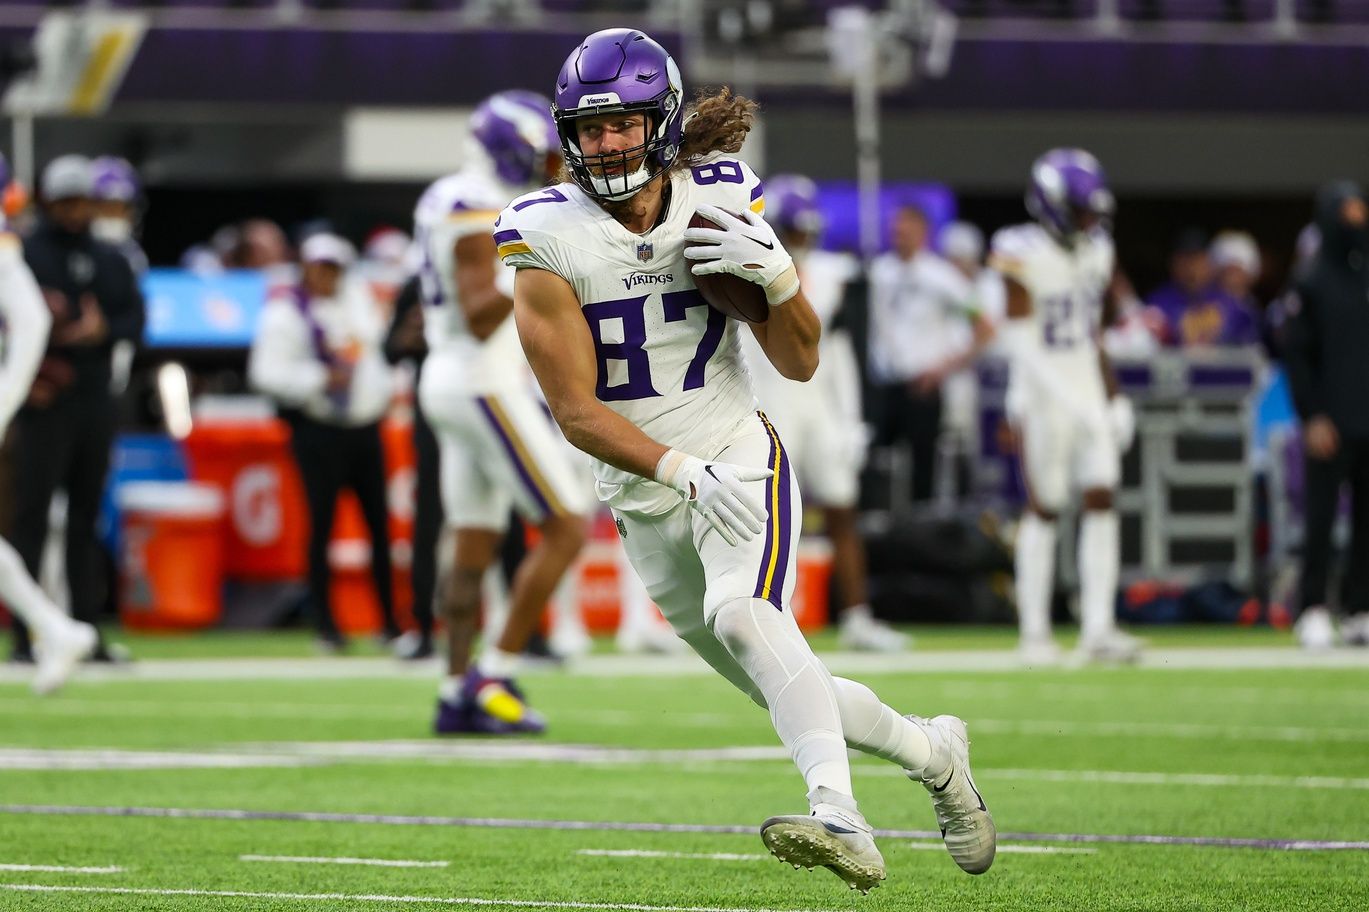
{"x":732,"y":295}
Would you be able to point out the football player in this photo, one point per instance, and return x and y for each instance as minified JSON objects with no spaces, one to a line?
{"x":498,"y":448}
{"x":821,"y":420}
{"x":59,"y":643}
{"x":1072,"y":423}
{"x":648,"y":379}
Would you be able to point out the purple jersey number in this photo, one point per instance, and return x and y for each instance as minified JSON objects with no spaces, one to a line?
{"x":549,"y":196}
{"x":719,"y":172}
{"x":630,"y":313}
{"x":1060,"y":319}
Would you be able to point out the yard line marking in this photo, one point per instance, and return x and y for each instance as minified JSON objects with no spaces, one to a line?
{"x":373,"y":862}
{"x":618,"y":666}
{"x":643,"y":853}
{"x":1017,"y":849}
{"x":1202,"y":730}
{"x":1123,"y":777}
{"x":502,"y":823}
{"x":381,"y":898}
{"x":63,"y":869}
{"x":56,"y":759}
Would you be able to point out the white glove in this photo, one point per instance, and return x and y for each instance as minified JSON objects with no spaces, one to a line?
{"x":1122,"y":421}
{"x":718,"y":491}
{"x":746,"y":247}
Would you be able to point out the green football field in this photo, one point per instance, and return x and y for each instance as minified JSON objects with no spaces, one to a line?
{"x":242,"y":773}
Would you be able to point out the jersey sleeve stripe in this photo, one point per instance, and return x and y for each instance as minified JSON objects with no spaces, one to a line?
{"x":758,"y":206}
{"x":508,"y":234}
{"x":512,"y":247}
{"x":543,"y":494}
{"x":757,"y":191}
{"x":779,"y":526}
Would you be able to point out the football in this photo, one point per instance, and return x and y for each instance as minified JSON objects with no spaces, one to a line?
{"x":734,"y":296}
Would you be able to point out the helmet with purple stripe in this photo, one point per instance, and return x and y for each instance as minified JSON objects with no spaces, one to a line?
{"x":620,"y":71}
{"x":1068,"y":192}
{"x":791,"y":204}
{"x":115,"y":180}
{"x":515,"y":130}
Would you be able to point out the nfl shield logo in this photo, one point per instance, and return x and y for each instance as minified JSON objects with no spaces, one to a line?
{"x":645,"y":251}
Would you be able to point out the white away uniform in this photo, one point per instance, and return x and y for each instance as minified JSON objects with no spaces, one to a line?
{"x":1066,"y":287}
{"x":499,"y":448}
{"x":673,"y":366}
{"x":820,"y":419}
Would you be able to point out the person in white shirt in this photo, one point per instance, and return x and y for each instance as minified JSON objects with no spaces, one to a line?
{"x":917,"y":302}
{"x":317,"y":352}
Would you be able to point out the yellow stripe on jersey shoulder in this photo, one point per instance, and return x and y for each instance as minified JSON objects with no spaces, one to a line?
{"x":512,"y":247}
{"x":758,"y":205}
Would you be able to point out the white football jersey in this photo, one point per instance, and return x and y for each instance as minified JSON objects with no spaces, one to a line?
{"x":824,"y":276}
{"x":668,"y":362}
{"x":1066,"y":287}
{"x":452,"y":208}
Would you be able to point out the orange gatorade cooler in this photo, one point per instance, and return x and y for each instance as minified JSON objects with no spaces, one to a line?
{"x":249,"y":461}
{"x":171,"y":566}
{"x":810,"y":605}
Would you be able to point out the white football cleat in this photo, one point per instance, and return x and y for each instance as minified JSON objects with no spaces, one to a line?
{"x":1037,"y":652}
{"x":1115,"y":647}
{"x":861,"y":631}
{"x":570,"y":641}
{"x":57,"y":653}
{"x":655,"y":636}
{"x":832,"y":836}
{"x":967,"y":827}
{"x":1315,"y":628}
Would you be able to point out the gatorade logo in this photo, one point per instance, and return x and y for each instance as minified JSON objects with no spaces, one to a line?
{"x":255,"y":505}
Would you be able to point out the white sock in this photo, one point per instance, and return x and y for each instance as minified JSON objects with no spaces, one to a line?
{"x":796,"y":687}
{"x":23,"y":596}
{"x":1099,"y":558}
{"x":874,"y":728}
{"x":496,"y":663}
{"x":449,"y":691}
{"x":1034,"y":569}
{"x":494,"y":595}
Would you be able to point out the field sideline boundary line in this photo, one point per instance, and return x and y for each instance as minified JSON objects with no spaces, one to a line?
{"x":381,"y":898}
{"x":502,"y":823}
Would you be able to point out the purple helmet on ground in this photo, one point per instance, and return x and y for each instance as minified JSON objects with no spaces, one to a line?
{"x":620,"y":71}
{"x":791,"y":204}
{"x":1066,"y":185}
{"x":516,"y":131}
{"x":115,"y":179}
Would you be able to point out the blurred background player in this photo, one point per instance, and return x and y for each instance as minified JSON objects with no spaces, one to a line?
{"x":1062,"y":398}
{"x":643,"y":384}
{"x":59,"y":643}
{"x":498,"y":448}
{"x":918,"y":304}
{"x":317,"y":352}
{"x":65,"y":430}
{"x":820,"y":421}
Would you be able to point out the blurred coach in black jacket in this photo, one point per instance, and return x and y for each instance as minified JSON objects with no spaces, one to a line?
{"x":65,"y":429}
{"x":1327,"y":356}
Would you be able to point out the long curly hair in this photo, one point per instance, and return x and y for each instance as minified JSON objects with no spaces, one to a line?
{"x":716,"y":122}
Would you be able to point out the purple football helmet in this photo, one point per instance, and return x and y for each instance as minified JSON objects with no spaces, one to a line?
{"x":1065,"y":186}
{"x":115,"y":179}
{"x":620,"y":71}
{"x":516,"y":131}
{"x":791,"y":204}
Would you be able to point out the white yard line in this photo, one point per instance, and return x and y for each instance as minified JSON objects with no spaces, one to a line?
{"x":1012,"y":849}
{"x":62,"y":869}
{"x":371,"y":862}
{"x":381,"y":898}
{"x":111,"y":759}
{"x":643,"y":853}
{"x":615,"y":666}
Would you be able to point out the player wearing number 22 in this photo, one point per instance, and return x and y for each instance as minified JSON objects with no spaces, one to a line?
{"x":648,"y":379}
{"x":1062,"y":396}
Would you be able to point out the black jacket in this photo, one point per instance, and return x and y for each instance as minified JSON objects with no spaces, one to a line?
{"x":1327,"y":333}
{"x":73,"y":265}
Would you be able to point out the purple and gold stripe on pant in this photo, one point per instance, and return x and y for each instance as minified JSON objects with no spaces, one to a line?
{"x":543,"y":494}
{"x":779,"y":526}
